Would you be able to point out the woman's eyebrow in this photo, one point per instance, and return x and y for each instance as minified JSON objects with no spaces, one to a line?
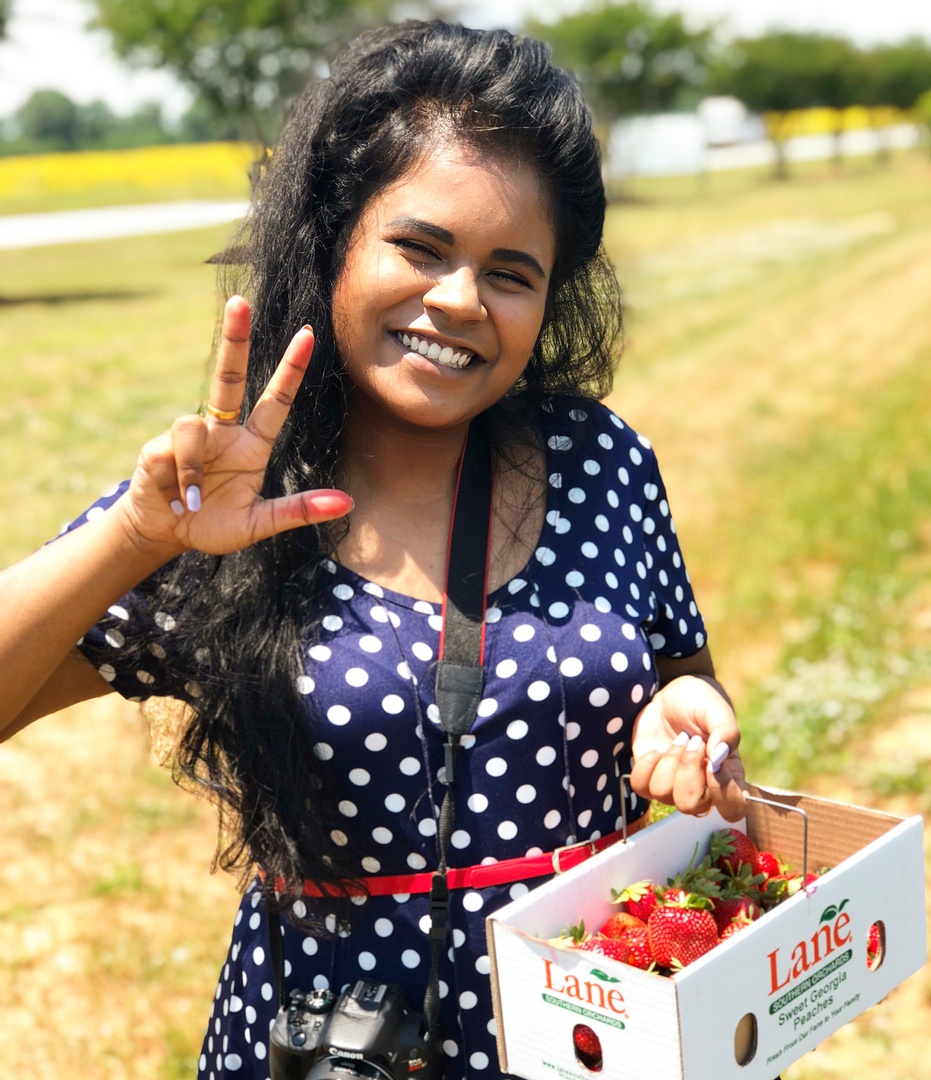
{"x":444,"y":236}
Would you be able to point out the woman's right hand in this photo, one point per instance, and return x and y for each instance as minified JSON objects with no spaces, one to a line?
{"x":198,"y":485}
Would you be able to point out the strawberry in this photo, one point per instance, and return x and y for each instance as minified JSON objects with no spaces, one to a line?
{"x":768,"y":864}
{"x":640,"y":954}
{"x":740,"y":909}
{"x":731,"y":849}
{"x":783,"y":886}
{"x":874,"y":946}
{"x":618,"y":924}
{"x":734,"y":927}
{"x":613,"y":948}
{"x":680,"y":934}
{"x":638,"y":899}
{"x":587,"y":1047}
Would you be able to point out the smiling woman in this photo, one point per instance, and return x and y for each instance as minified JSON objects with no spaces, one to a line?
{"x":424,"y":296}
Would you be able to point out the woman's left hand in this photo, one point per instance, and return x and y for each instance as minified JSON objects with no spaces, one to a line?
{"x":678,"y":738}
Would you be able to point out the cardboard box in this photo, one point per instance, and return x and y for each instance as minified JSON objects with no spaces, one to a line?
{"x":751,"y":1006}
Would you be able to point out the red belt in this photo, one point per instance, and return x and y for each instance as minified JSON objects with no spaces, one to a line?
{"x":478,"y":877}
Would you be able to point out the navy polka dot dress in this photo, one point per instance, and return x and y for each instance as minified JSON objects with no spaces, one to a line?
{"x":569,"y":661}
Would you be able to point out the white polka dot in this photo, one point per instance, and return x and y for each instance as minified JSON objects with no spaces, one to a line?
{"x":356,"y":676}
{"x":366,"y":961}
{"x":524,"y":632}
{"x":450,"y":1049}
{"x":576,"y":495}
{"x":424,"y":607}
{"x":371,"y":865}
{"x":384,"y":927}
{"x":108,"y":671}
{"x":526,"y":793}
{"x":517,"y":729}
{"x":518,"y":889}
{"x":552,"y":819}
{"x":477,"y":803}
{"x":379,"y":614}
{"x":343,"y":592}
{"x":395,"y":803}
{"x":370,"y":644}
{"x":575,"y":579}
{"x":546,"y":755}
{"x":410,"y":958}
{"x":410,"y":766}
{"x":636,"y":694}
{"x":323,"y":751}
{"x":258,"y":956}
{"x":426,"y":827}
{"x":376,"y":742}
{"x":163,"y":620}
{"x":381,"y":835}
{"x":506,"y":668}
{"x":392,"y":704}
{"x":416,"y":861}
{"x":487,"y":707}
{"x":546,"y":556}
{"x":559,"y":442}
{"x":538,"y":690}
{"x":360,"y":777}
{"x":558,"y":610}
{"x":305,"y":684}
{"x":478,"y":1060}
{"x":115,"y":638}
{"x":589,"y":759}
{"x":339,"y":837}
{"x":319,"y":652}
{"x":598,"y":697}
{"x":496,"y":766}
{"x":338,"y":714}
{"x":589,"y":550}
{"x":422,"y":651}
{"x":571,"y":666}
{"x":233,"y":1062}
{"x":333,"y":623}
{"x":493,"y":615}
{"x":259,"y":1050}
{"x":472,"y":901}
{"x":507,"y":830}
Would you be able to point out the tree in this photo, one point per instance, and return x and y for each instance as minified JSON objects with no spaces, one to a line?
{"x":780,"y":72}
{"x":245,"y":59}
{"x":50,"y":120}
{"x":628,"y":58}
{"x":893,"y":77}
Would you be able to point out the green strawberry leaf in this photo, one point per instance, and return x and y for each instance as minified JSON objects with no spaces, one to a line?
{"x":603,"y":975}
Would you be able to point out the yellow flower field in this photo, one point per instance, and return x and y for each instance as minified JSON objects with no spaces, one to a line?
{"x":202,"y":170}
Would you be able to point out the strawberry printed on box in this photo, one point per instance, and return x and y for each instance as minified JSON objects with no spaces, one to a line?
{"x":753,"y":1004}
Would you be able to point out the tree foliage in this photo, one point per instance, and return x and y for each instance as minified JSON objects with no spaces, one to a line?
{"x":629,"y":58}
{"x":244,"y":59}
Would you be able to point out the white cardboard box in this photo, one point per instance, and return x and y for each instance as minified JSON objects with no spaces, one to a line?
{"x":765,"y":997}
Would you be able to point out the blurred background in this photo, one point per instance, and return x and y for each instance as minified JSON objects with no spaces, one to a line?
{"x":769,"y":167}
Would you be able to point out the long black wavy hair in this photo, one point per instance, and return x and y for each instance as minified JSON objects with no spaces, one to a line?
{"x":391,"y":96}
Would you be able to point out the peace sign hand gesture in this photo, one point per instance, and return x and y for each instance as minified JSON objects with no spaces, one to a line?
{"x":198,"y":485}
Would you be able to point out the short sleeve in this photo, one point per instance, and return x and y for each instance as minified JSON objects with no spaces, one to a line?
{"x":132,"y":645}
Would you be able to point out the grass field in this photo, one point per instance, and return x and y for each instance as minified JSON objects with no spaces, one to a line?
{"x":779,"y":357}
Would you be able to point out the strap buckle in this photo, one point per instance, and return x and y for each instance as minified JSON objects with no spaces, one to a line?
{"x":557,"y":853}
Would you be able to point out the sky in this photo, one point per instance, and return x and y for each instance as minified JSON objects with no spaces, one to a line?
{"x":48,"y":45}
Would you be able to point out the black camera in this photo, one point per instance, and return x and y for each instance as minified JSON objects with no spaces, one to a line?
{"x":369,"y":1030}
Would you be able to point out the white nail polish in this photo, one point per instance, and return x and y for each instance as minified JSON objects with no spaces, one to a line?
{"x":177,"y":507}
{"x":695,"y":743}
{"x":681,"y":739}
{"x":717,"y":756}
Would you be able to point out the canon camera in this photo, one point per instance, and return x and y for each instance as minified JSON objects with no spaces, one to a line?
{"x":368,"y":1030}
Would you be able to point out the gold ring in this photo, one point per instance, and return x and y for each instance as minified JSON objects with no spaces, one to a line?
{"x":226,"y":415}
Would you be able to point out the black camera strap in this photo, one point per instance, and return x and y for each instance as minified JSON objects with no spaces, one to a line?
{"x":460,"y":679}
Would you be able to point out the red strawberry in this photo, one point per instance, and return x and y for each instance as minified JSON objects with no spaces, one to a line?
{"x":731,"y":849}
{"x":874,"y":946}
{"x":587,"y":1046}
{"x":680,"y":934}
{"x":768,"y":864}
{"x":782,"y":886}
{"x":640,"y":953}
{"x":638,"y":899}
{"x":740,"y":909}
{"x":734,"y":927}
{"x":613,"y":948}
{"x":619,"y":924}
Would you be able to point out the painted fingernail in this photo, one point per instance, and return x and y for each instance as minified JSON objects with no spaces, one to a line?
{"x":681,"y":739}
{"x":177,"y":507}
{"x":717,"y":756}
{"x":695,"y":743}
{"x":192,"y":499}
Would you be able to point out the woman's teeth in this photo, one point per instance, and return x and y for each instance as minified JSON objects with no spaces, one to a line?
{"x":441,"y":354}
